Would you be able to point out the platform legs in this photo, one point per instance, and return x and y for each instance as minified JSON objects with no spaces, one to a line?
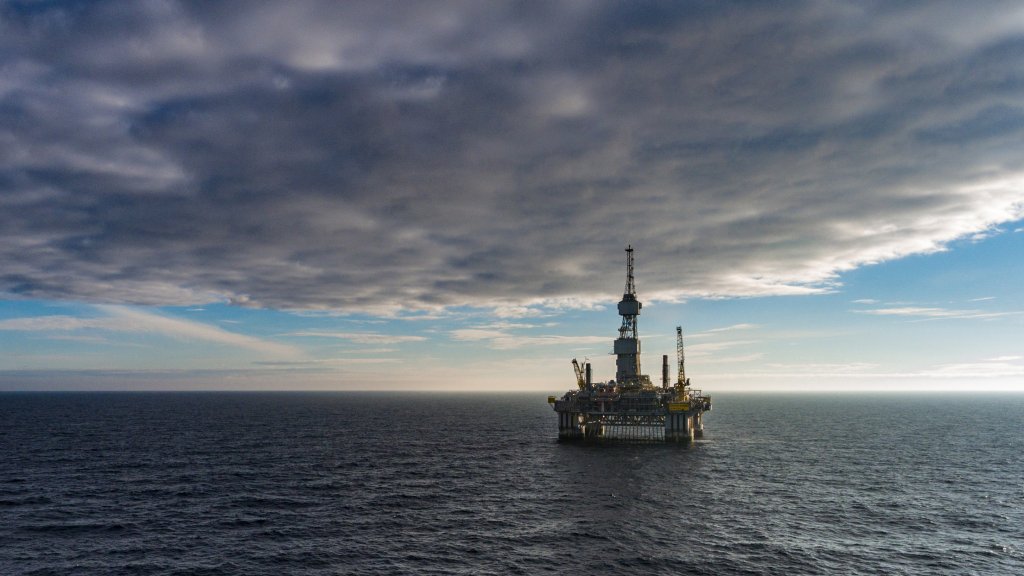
{"x":679,"y":427}
{"x":569,"y":425}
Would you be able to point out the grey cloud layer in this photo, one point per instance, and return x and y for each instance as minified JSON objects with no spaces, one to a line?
{"x":347,"y":155}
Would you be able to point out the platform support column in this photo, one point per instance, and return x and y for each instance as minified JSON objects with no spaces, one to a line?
{"x":698,"y":425}
{"x":678,"y":427}
{"x":568,"y":425}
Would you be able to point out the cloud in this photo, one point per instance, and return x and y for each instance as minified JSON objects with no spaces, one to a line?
{"x":935,"y":313}
{"x":710,"y":348}
{"x":359,"y":337}
{"x":1008,"y":367}
{"x":129,"y":320}
{"x":59,"y":324}
{"x":732,"y":328}
{"x":729,"y":360}
{"x":517,"y":312}
{"x":324,"y":363}
{"x":377,"y":156}
{"x":499,"y":338}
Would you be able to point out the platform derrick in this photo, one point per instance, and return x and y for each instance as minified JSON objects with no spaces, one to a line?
{"x":631,"y":407}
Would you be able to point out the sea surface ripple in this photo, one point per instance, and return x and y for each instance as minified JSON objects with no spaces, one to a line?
{"x":368,"y":483}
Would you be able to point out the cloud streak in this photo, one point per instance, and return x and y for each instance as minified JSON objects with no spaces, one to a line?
{"x":374,"y":156}
{"x":122,"y":319}
{"x":500,"y":338}
{"x":936,"y":313}
{"x":870,"y":375}
{"x":359,"y":337}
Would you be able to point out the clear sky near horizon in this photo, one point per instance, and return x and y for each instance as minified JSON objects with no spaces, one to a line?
{"x":428,"y":196}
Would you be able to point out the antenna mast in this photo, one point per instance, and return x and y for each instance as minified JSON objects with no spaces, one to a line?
{"x":630,"y":287}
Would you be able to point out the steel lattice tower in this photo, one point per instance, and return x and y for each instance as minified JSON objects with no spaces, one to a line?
{"x":627,"y":345}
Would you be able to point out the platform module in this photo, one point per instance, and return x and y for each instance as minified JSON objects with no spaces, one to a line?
{"x":631,"y":407}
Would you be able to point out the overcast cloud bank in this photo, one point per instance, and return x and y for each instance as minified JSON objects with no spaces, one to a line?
{"x":376,"y":156}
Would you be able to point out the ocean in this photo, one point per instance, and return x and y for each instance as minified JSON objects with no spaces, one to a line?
{"x":375,"y":483}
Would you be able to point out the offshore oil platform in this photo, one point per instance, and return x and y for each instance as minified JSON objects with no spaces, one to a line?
{"x":630,"y":407}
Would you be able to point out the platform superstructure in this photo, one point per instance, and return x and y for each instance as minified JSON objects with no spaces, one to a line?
{"x":631,"y":407}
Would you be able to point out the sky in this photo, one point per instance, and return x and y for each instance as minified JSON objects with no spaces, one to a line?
{"x":827,"y":196}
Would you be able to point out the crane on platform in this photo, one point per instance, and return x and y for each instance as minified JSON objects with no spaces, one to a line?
{"x":681,"y":358}
{"x":581,"y":379}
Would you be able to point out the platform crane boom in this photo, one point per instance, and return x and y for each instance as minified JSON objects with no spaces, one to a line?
{"x":681,"y":357}
{"x":581,"y":380}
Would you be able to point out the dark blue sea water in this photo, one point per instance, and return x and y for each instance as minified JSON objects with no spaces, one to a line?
{"x":348,"y":483}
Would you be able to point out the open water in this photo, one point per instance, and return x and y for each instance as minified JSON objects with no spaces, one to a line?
{"x":353,"y":483}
